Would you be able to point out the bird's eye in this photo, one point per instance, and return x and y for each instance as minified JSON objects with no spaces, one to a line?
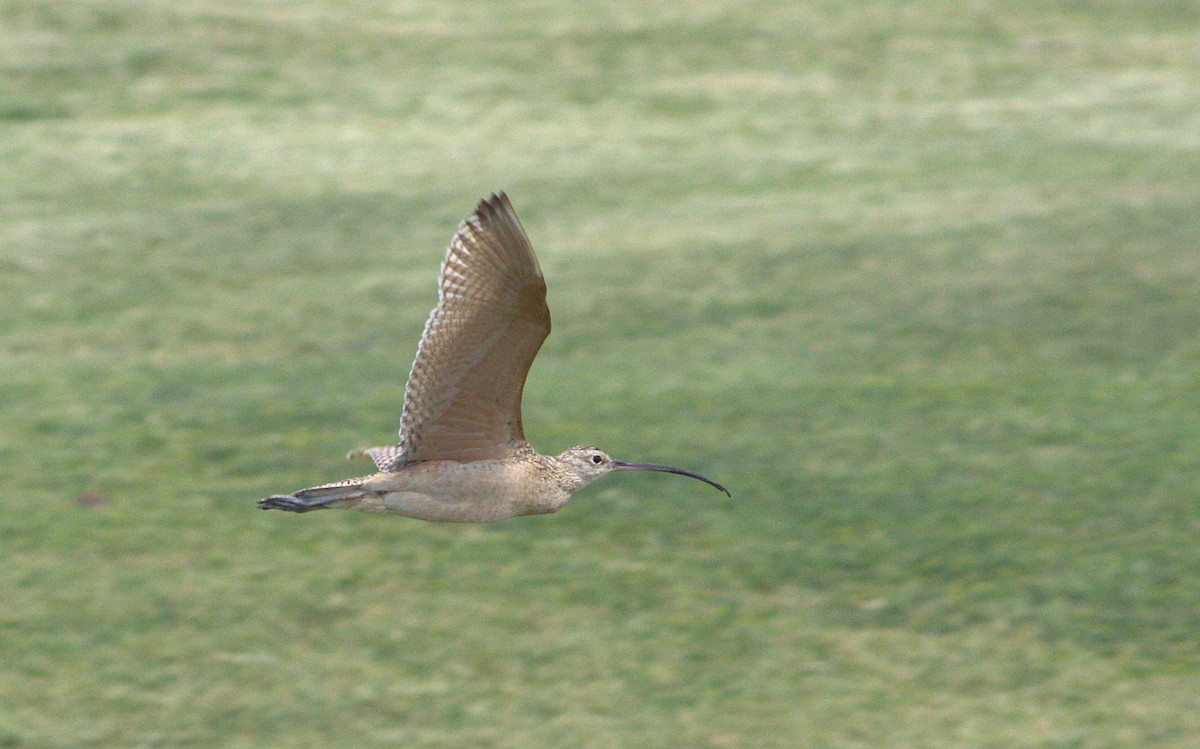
{"x":597,"y":459}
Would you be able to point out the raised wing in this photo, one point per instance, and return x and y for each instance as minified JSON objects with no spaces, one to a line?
{"x":463,"y":400}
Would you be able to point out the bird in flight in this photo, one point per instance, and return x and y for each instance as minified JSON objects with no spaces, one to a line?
{"x":462,"y":455}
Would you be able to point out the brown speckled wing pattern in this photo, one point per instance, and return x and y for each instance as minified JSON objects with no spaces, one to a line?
{"x":463,"y":400}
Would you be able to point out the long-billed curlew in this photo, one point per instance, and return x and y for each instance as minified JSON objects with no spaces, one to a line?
{"x":462,"y":455}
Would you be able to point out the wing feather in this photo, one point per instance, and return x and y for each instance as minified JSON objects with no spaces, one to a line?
{"x":463,"y":399}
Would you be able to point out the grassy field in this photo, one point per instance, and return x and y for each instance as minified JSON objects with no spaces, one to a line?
{"x":919,"y":281}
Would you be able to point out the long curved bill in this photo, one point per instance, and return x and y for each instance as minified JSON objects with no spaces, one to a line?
{"x":626,"y":465}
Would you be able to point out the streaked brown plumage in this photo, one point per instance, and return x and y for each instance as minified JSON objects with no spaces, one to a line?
{"x":462,"y":455}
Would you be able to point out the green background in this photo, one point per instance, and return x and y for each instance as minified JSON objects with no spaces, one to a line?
{"x":918,"y":281}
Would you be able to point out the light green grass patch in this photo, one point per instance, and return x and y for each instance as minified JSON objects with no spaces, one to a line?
{"x":917,"y":281}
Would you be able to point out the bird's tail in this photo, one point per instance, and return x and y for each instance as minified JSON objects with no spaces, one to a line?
{"x":326,"y":496}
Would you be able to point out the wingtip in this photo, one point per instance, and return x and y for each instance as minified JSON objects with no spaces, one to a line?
{"x":495,"y":203}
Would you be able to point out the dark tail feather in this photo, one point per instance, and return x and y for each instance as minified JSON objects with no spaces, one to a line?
{"x":315,"y":498}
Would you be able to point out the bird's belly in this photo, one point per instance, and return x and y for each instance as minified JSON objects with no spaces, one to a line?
{"x":442,"y":509}
{"x":452,"y":493}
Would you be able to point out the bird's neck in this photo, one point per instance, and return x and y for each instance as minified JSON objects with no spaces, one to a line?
{"x":563,"y":477}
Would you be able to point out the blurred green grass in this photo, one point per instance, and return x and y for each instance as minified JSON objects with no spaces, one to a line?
{"x":918,"y":281}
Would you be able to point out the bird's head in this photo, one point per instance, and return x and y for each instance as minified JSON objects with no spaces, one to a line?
{"x":584,"y":464}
